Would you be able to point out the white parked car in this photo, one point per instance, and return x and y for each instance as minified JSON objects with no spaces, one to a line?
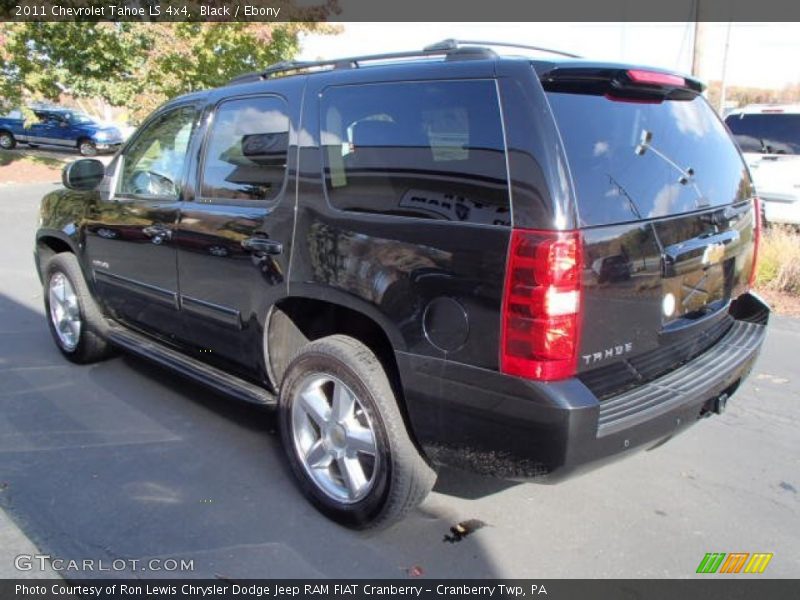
{"x":769,"y":136}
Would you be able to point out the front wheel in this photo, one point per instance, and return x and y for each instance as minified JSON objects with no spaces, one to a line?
{"x":345,"y":437}
{"x":75,"y":321}
{"x":87,"y":148}
{"x":7,"y":140}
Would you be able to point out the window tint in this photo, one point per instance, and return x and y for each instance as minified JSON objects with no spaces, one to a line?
{"x":425,"y":149}
{"x":246,"y":154}
{"x":45,"y":117}
{"x":641,"y":160}
{"x":766,"y":133}
{"x":153,"y":164}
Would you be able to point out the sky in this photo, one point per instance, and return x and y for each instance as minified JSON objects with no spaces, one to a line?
{"x":759,"y":54}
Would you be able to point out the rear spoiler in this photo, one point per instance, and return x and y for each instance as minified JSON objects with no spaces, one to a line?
{"x":618,"y":81}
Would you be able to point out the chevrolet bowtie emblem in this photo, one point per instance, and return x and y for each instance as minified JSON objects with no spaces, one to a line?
{"x":713,"y":254}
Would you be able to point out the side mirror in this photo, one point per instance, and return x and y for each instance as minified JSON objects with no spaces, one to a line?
{"x":83,"y":175}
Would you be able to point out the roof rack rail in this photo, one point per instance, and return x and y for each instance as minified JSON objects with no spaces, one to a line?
{"x":285,"y":65}
{"x":451,"y":44}
{"x":449,"y":48}
{"x":351,"y":62}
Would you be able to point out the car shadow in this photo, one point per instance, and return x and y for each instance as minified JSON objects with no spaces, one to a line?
{"x":123,"y":460}
{"x":47,"y":159}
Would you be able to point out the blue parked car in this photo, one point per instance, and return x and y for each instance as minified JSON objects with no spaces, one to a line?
{"x":59,"y":127}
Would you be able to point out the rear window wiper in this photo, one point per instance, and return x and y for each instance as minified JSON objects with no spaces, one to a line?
{"x":686,"y":175}
{"x":646,"y":143}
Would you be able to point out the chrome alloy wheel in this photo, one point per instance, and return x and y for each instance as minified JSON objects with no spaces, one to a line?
{"x":334,"y":438}
{"x":65,"y":313}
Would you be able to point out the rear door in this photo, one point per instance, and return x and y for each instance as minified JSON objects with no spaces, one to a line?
{"x":235,"y":231}
{"x":664,"y":202}
{"x":62,"y":132}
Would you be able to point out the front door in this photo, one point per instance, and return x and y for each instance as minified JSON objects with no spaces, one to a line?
{"x":234,"y":235}
{"x":130,"y":238}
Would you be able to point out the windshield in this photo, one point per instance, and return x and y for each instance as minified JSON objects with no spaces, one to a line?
{"x":766,"y":133}
{"x":634,"y":160}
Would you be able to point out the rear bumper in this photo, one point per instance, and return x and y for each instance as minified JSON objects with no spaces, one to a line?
{"x":508,"y":427}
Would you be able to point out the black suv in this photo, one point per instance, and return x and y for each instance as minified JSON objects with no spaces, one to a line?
{"x":447,"y":257}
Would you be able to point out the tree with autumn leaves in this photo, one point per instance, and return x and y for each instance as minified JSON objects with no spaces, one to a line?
{"x":137,"y":65}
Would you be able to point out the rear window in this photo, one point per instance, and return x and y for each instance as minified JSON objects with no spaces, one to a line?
{"x":766,"y":133}
{"x":634,"y":160}
{"x":431,"y":150}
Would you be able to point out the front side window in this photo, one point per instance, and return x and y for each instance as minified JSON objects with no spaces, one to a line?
{"x":431,"y":150}
{"x":78,"y":118}
{"x":153,"y":164}
{"x":245,"y":158}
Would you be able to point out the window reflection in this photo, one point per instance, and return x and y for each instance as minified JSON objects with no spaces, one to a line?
{"x":423,"y":149}
{"x":247,"y":147}
{"x":635,"y":160}
{"x":767,"y":133}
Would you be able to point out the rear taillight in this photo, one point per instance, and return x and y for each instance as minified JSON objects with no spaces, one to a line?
{"x":541,"y":304}
{"x":757,"y":224}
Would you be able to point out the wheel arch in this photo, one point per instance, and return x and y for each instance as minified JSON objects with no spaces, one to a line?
{"x":294,"y":321}
{"x":48,"y":244}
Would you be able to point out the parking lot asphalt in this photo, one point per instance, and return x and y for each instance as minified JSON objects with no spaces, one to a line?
{"x":123,"y":460}
{"x":64,"y":155}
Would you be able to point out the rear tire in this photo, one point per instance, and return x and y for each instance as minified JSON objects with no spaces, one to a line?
{"x":76,"y":322}
{"x":345,"y":437}
{"x":7,"y":140}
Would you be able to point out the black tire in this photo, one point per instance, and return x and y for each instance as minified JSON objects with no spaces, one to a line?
{"x":91,"y":343}
{"x":7,"y":140}
{"x":403,"y":479}
{"x":87,"y":147}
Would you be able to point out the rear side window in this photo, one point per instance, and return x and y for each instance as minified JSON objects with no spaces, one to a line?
{"x":431,"y":150}
{"x":766,"y":133}
{"x":245,"y":157}
{"x":634,"y":160}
